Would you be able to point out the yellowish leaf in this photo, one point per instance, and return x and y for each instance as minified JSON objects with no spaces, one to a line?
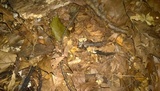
{"x":149,"y":19}
{"x":143,"y":18}
{"x":137,"y":17}
{"x":58,"y":29}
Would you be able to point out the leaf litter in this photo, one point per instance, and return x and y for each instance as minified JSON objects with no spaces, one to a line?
{"x":106,"y":48}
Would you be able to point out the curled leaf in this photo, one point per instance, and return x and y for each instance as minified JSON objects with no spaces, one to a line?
{"x":58,"y":29}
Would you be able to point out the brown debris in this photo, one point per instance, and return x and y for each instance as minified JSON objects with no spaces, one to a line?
{"x":112,"y":46}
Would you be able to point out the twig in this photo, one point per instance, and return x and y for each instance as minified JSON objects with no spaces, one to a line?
{"x":40,"y":80}
{"x":66,"y":79}
{"x":61,"y":5}
{"x":27,"y":79}
{"x":71,"y":22}
{"x":117,"y":29}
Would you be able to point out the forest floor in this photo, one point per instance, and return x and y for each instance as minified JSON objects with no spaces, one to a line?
{"x":80,"y":45}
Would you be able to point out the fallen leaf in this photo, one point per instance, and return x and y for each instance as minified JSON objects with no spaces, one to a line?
{"x":58,"y":29}
{"x":47,"y":84}
{"x":6,"y":60}
{"x":55,"y":62}
{"x":76,"y":61}
{"x":12,"y":82}
{"x":45,"y":64}
{"x":143,"y":18}
{"x":149,"y":19}
{"x":23,"y":64}
{"x":120,"y":40}
{"x":7,"y":15}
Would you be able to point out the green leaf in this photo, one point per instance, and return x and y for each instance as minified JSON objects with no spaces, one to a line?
{"x":58,"y":29}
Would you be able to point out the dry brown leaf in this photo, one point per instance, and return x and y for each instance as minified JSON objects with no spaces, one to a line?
{"x":90,"y":72}
{"x":41,"y":40}
{"x":7,"y":15}
{"x":23,"y":64}
{"x":58,"y":81}
{"x":35,"y":60}
{"x":113,"y":37}
{"x":75,"y":61}
{"x":158,"y":81}
{"x":138,"y":65}
{"x":114,"y":66}
{"x":66,"y":50}
{"x":48,"y":85}
{"x":12,"y":82}
{"x":78,"y":79}
{"x":115,"y":82}
{"x":140,"y":77}
{"x":88,"y":86}
{"x":95,"y":32}
{"x":55,"y":62}
{"x":110,"y":47}
{"x":6,"y":59}
{"x":99,"y":79}
{"x":45,"y":64}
